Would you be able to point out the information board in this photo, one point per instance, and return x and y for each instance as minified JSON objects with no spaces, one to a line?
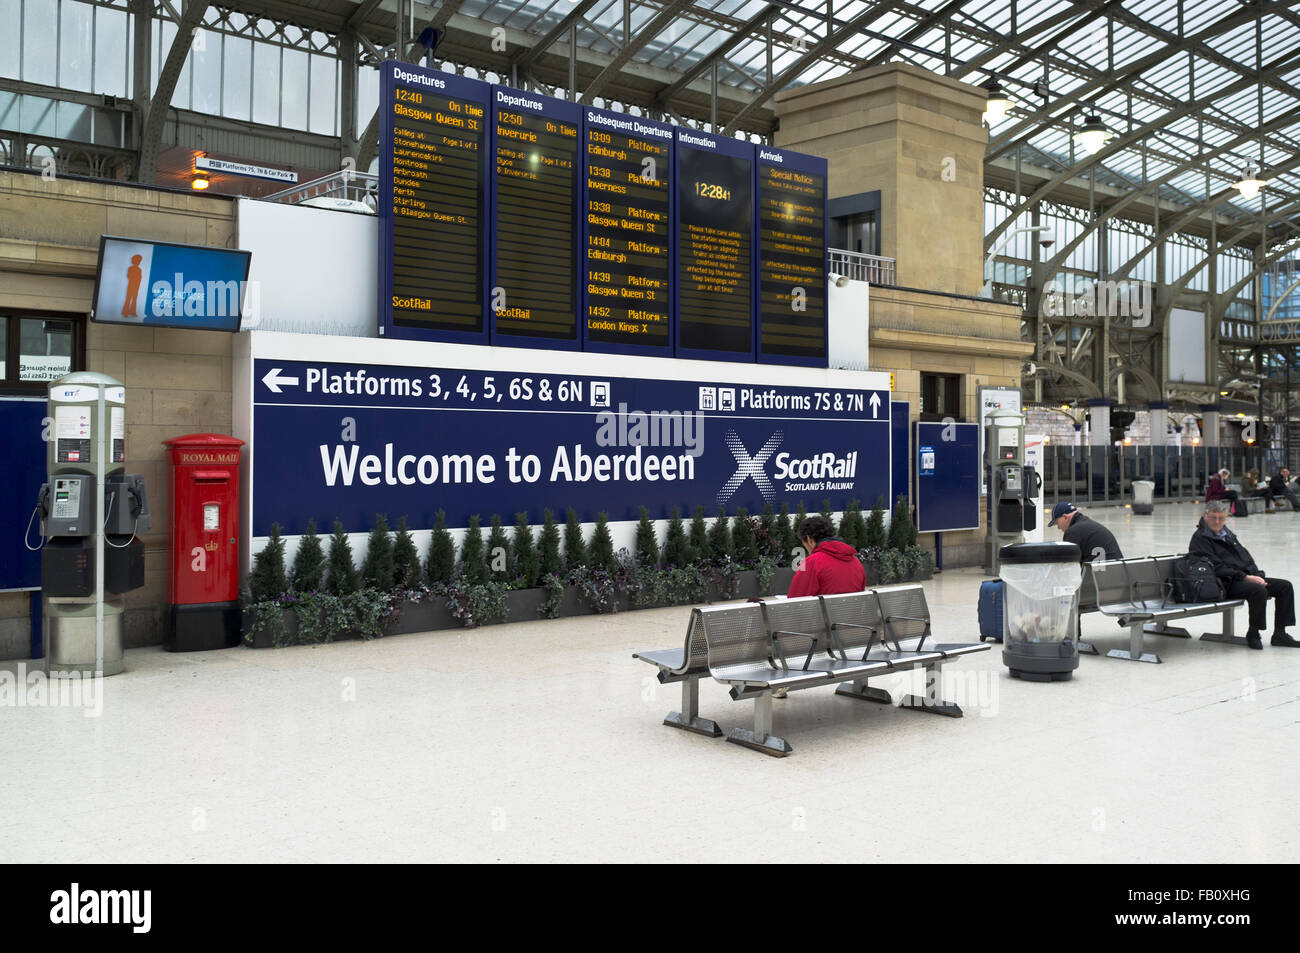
{"x":715,"y":225}
{"x":22,"y":429}
{"x":628,"y":235}
{"x":534,"y":272}
{"x":473,"y":441}
{"x":791,"y":257}
{"x":433,"y":203}
{"x":947,"y":476}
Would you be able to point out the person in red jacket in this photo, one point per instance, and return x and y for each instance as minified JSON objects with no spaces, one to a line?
{"x":831,"y":565}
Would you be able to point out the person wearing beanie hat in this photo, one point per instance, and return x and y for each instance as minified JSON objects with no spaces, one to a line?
{"x":1094,"y":540}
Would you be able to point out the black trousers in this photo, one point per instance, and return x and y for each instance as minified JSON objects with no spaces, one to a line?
{"x":1257,"y":597}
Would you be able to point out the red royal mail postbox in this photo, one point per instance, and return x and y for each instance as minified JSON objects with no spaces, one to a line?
{"x":203,"y":573}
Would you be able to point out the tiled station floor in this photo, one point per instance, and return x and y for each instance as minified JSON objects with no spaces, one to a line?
{"x":541,"y":741}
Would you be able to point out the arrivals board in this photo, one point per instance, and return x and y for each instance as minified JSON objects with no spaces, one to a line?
{"x":715,"y":224}
{"x":627,"y":206}
{"x":535,"y":198}
{"x":433,"y":203}
{"x":791,"y":257}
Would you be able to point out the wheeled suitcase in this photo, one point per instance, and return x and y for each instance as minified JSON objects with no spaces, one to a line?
{"x":990,"y":610}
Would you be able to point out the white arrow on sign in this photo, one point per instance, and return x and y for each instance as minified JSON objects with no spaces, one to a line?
{"x":874,"y":402}
{"x":273,"y":380}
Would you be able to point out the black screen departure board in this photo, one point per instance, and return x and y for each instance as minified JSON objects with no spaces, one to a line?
{"x":715,"y":202}
{"x":436,"y":185}
{"x":628,"y":236}
{"x":792,"y":255}
{"x":534,"y":281}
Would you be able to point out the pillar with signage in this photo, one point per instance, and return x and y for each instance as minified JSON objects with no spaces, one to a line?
{"x":203,"y":573}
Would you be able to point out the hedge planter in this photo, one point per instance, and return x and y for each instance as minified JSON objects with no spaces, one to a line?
{"x":428,"y":615}
{"x":522,"y":604}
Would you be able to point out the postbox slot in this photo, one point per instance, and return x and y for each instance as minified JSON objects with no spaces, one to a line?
{"x":210,"y":476}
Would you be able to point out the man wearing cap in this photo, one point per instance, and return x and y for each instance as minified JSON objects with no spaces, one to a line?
{"x":1094,"y":540}
{"x":1242,"y":578}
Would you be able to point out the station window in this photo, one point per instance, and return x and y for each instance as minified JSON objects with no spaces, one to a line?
{"x":940,"y":396}
{"x":36,"y":349}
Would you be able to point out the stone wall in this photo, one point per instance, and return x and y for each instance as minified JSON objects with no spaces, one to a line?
{"x":177,"y":381}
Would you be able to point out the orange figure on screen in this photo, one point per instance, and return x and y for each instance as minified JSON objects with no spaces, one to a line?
{"x":133,"y":276}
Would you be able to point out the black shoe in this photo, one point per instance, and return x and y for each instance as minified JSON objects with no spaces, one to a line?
{"x":1281,"y":638}
{"x":1252,"y":639}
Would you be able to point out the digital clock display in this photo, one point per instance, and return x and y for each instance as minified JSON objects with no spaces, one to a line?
{"x":715,"y":199}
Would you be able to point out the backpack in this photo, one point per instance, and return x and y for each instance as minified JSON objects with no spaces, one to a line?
{"x":1193,"y":580}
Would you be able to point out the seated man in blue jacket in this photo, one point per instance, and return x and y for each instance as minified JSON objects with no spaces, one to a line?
{"x":1241,"y":578}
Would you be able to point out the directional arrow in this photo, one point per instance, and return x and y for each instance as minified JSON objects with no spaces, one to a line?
{"x":874,"y":402}
{"x":273,"y":380}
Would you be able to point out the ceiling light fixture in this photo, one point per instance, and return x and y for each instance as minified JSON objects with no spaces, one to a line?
{"x":199,"y":181}
{"x":1250,"y":182}
{"x":999,"y":103}
{"x":1093,"y":134}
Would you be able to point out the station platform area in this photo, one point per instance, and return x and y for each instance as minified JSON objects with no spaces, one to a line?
{"x":542,"y":741}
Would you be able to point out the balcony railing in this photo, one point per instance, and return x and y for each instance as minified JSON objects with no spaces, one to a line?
{"x":856,"y":266}
{"x":357,"y":186}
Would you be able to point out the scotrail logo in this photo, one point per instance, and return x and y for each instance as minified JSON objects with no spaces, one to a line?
{"x":749,"y":467}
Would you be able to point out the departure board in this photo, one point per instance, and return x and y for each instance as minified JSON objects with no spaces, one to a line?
{"x":791,"y":256}
{"x":628,"y":236}
{"x":715,"y":214}
{"x":433,"y":219}
{"x":534,"y":274}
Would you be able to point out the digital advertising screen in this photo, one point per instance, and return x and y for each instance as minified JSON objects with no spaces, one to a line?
{"x":536,"y":161}
{"x":165,"y":285}
{"x":791,"y":257}
{"x":715,"y":218}
{"x":432,"y":204}
{"x":627,"y":259}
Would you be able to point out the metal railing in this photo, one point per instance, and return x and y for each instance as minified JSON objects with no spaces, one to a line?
{"x":1106,"y":474}
{"x":358,"y":186}
{"x":856,"y":266}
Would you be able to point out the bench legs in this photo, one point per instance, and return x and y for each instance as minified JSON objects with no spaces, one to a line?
{"x":931,"y":700}
{"x":858,"y":688}
{"x":1161,"y":628}
{"x":1134,"y":653}
{"x":1228,"y":634}
{"x":689,"y":718}
{"x":761,"y":738}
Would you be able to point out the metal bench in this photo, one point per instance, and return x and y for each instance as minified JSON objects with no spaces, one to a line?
{"x":1139,"y":593}
{"x":686,"y":665}
{"x":792,"y":644}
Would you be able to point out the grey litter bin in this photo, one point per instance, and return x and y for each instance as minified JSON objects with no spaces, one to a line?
{"x":1144,"y":493}
{"x":1040,"y":609}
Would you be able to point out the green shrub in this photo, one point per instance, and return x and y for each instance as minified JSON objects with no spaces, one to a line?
{"x":473,"y":567}
{"x":406,"y":559}
{"x":647,"y":543}
{"x":875,"y":530}
{"x":498,"y":552}
{"x":677,"y":551}
{"x":309,"y":561}
{"x":601,"y":553}
{"x":784,"y":542}
{"x":549,"y":561}
{"x":341,"y":576}
{"x":267,"y":580}
{"x":441,"y":565}
{"x":829,"y":514}
{"x":853,"y":529}
{"x":525,"y":552}
{"x":377,"y":567}
{"x":720,"y":544}
{"x":742,"y":538}
{"x":902,"y":532}
{"x":575,"y":549}
{"x":700,"y":548}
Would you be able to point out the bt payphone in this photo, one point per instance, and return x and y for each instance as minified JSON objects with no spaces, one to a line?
{"x":1010,"y":509}
{"x":90,"y":511}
